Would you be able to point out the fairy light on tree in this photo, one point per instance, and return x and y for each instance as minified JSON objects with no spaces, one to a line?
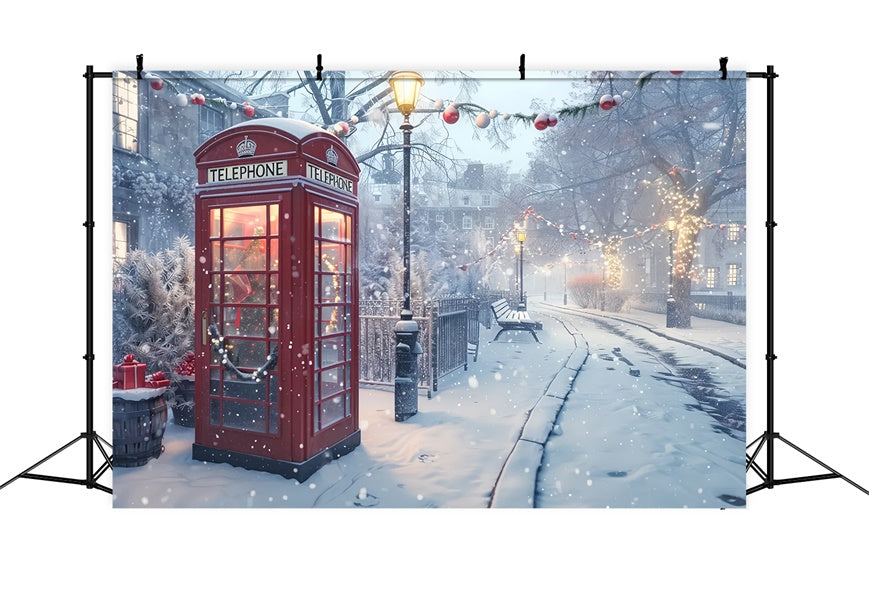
{"x":613,"y":265}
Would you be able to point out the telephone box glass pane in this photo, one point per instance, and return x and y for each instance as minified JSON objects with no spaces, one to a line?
{"x":244,"y":416}
{"x":241,"y":389}
{"x":333,"y":258}
{"x":274,"y":320}
{"x":214,"y":415}
{"x":332,"y":410}
{"x":331,"y":320}
{"x":333,"y":225}
{"x":331,"y":381}
{"x":274,"y":254}
{"x":273,"y":389}
{"x":331,"y":351}
{"x":274,"y":289}
{"x":244,"y":221}
{"x":215,"y":222}
{"x":245,"y":321}
{"x":330,"y":289}
{"x":216,"y":258}
{"x":247,"y":354}
{"x":274,"y":419}
{"x":244,"y":254}
{"x":245,"y":288}
{"x":274,"y":219}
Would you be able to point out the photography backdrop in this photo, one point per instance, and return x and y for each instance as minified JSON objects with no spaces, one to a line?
{"x":610,"y":203}
{"x":661,"y":549}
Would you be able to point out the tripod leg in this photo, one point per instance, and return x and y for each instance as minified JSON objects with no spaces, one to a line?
{"x":103,"y":451}
{"x":824,"y":465}
{"x":43,"y":460}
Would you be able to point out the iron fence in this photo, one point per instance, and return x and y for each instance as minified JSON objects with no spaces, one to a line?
{"x":449,"y":329}
{"x":723,"y":307}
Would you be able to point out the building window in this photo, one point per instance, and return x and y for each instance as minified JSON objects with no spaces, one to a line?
{"x":487,"y":200}
{"x":467,"y":222}
{"x":439,"y":218}
{"x":210,"y":122}
{"x":733,"y":232}
{"x":125,"y":112}
{"x":120,"y":241}
{"x":466,"y":201}
{"x":488,"y":223}
{"x":734,"y":274}
{"x":711,"y":277}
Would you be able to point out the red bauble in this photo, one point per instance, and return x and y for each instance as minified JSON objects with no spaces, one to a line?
{"x":607,"y":102}
{"x":157,"y":84}
{"x":552,"y":121}
{"x":451,"y":115}
{"x":676,"y":71}
{"x":541,"y":122}
{"x":197,"y":99}
{"x":248,"y":110}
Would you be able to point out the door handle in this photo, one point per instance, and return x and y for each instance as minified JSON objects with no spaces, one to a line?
{"x":204,"y":328}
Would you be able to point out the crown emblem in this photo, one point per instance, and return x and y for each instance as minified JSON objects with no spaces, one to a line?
{"x":332,"y":156}
{"x":246,"y":147}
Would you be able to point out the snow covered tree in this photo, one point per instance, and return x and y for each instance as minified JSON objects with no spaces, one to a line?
{"x":154,"y":306}
{"x":670,"y":148}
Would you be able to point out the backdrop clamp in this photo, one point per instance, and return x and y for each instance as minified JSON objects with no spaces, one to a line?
{"x":522,"y":67}
{"x":140,"y":58}
{"x":723,"y":67}
{"x":319,"y":66}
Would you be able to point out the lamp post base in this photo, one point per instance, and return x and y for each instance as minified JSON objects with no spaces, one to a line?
{"x":671,"y":313}
{"x":407,"y":350}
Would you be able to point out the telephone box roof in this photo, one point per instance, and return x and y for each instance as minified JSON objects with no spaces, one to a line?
{"x":299,"y":129}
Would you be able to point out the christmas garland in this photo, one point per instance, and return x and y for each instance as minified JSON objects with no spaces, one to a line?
{"x":217,"y":345}
{"x":449,"y":110}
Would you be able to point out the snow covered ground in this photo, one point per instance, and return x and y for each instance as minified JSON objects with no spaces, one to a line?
{"x":672,"y":436}
{"x":650,"y":423}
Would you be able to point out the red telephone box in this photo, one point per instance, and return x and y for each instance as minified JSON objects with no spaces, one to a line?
{"x":276,"y":298}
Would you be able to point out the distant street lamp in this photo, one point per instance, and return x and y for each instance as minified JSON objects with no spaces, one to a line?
{"x":516,"y":271}
{"x":564,"y":260}
{"x":406,"y":86}
{"x":671,"y":301}
{"x":546,"y":272}
{"x":520,"y":236}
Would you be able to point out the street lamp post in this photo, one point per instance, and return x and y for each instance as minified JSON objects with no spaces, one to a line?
{"x":406,"y":86}
{"x":516,"y":271}
{"x":521,"y":235}
{"x":671,"y":301}
{"x":545,"y":278}
{"x":564,"y":261}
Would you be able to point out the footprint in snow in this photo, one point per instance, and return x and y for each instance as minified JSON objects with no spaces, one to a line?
{"x":368,"y":501}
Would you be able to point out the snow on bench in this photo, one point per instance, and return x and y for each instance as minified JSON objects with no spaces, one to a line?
{"x":512,"y":320}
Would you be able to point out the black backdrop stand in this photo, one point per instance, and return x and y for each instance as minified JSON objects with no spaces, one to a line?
{"x":90,"y":437}
{"x":770,"y":436}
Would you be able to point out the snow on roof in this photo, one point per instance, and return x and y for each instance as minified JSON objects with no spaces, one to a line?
{"x":299,"y":129}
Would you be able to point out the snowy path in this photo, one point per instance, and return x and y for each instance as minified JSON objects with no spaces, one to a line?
{"x":650,"y":423}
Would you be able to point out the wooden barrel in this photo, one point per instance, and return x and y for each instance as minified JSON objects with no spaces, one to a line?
{"x":182,"y":407}
{"x":137,"y":430}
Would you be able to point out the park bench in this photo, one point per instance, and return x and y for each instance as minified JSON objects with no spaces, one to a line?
{"x":510,"y":319}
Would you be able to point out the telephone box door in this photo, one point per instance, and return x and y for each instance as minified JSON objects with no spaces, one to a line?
{"x":240,"y":328}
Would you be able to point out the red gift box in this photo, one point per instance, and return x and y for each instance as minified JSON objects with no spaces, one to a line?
{"x":157,"y":380}
{"x":130,"y":374}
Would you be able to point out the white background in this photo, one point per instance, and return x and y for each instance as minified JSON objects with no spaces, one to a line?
{"x":805,"y":537}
